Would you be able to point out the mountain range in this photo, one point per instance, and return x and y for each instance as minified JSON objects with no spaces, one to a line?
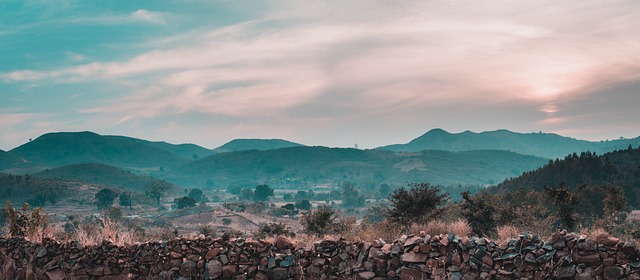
{"x":547,"y":145}
{"x":437,"y":156}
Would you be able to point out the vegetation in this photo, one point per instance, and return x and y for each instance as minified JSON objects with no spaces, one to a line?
{"x":32,"y":225}
{"x":262,"y":193}
{"x":105,"y":198}
{"x":156,"y":190}
{"x":184,"y":202}
{"x":416,"y":205}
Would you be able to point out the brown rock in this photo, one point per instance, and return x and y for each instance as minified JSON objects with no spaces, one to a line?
{"x":414,"y":257}
{"x":612,"y":273}
{"x":211,"y":253}
{"x":609,"y":261}
{"x":280,"y":273}
{"x":282,"y":242}
{"x":188,"y":269}
{"x":229,"y":271}
{"x":607,"y":240}
{"x":412,"y":274}
{"x":214,"y":268}
{"x":592,"y":259}
{"x":56,"y":274}
{"x":366,"y":275}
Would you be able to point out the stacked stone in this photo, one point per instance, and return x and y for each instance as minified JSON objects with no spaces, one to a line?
{"x":563,"y":256}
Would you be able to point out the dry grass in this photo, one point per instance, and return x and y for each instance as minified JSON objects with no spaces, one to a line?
{"x":460,"y":228}
{"x":593,"y":233}
{"x":436,"y":227}
{"x":107,"y":230}
{"x":507,"y":232}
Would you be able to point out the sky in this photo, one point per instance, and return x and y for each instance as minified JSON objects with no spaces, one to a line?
{"x":331,"y":73}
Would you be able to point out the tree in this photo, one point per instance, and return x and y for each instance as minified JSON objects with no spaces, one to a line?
{"x":565,"y":201}
{"x":156,"y":190}
{"x":322,"y":221}
{"x":105,"y":198}
{"x":303,"y":204}
{"x":479,"y":213}
{"x":287,"y":197}
{"x":184,"y":202}
{"x":300,"y":195}
{"x":350,"y":196}
{"x":246,"y":194}
{"x":262,"y":193}
{"x":416,"y":205}
{"x":125,"y":200}
{"x":197,"y":195}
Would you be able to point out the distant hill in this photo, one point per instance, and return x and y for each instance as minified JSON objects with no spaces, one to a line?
{"x":23,"y":188}
{"x":63,"y":148}
{"x":10,"y":161}
{"x":95,"y":173}
{"x":320,"y":165}
{"x":618,"y":168}
{"x":255,"y":144}
{"x":545,"y":145}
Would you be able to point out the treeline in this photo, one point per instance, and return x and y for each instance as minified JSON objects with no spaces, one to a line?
{"x":619,"y":168}
{"x":33,"y":190}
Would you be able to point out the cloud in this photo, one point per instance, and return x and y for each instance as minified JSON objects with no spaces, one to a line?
{"x":369,"y":60}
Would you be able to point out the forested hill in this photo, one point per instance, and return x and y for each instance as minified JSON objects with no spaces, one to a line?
{"x":618,"y":168}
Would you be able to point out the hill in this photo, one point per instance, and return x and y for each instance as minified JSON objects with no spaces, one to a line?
{"x":313,"y":165}
{"x":547,"y":145}
{"x":618,"y":168}
{"x":11,"y":161}
{"x":255,"y":144}
{"x":63,"y":148}
{"x":95,"y":173}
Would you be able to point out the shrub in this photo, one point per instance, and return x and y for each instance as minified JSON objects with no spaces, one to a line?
{"x":226,"y":221}
{"x":32,"y":225}
{"x":416,"y":205}
{"x":321,"y":222}
{"x":507,"y":232}
{"x":273,"y":229}
{"x":479,"y":211}
{"x":184,"y":202}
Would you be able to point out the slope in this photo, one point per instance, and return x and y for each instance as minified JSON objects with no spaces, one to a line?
{"x":311,"y":165}
{"x":63,"y":148}
{"x":10,"y":161}
{"x":547,"y":145}
{"x":95,"y":173}
{"x":618,"y":168}
{"x":255,"y":144}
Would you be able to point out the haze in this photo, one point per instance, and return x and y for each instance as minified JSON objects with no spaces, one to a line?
{"x":335,"y":73}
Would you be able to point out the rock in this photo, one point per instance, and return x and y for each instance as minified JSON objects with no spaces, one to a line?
{"x":412,"y":257}
{"x":366,"y":275}
{"x":214,"y":268}
{"x":607,"y":240}
{"x":565,"y":272}
{"x":280,"y":273}
{"x":211,"y":253}
{"x":288,"y":261}
{"x":612,"y":273}
{"x":412,"y":274}
{"x":282,"y":242}
{"x":588,"y":245}
{"x":188,"y":269}
{"x":592,"y":259}
{"x":56,"y":274}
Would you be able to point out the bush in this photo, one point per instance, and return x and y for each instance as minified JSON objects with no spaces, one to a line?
{"x":32,"y":225}
{"x":273,"y":229}
{"x":322,"y":221}
{"x":184,"y":202}
{"x":416,"y":205}
{"x":479,"y":211}
{"x":226,"y":221}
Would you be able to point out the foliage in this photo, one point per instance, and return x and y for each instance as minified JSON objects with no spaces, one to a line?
{"x":156,"y":190}
{"x":183,"y":202}
{"x":273,"y":229}
{"x":287,"y":197}
{"x":246,"y":194}
{"x":125,"y":200}
{"x":479,"y":211}
{"x":197,"y":195}
{"x":262,"y":193}
{"x":303,"y":204}
{"x":322,"y":221}
{"x":32,"y":225}
{"x":418,"y":204}
{"x":105,"y":198}
{"x":351,"y":198}
{"x":564,"y":200}
{"x":226,"y":221}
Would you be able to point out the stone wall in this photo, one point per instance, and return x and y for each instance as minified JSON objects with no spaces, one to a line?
{"x":563,"y":256}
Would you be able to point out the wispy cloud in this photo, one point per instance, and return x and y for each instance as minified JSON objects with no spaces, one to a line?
{"x":314,"y":62}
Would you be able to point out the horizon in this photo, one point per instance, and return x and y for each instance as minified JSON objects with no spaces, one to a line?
{"x":304,"y":144}
{"x":335,"y":74}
